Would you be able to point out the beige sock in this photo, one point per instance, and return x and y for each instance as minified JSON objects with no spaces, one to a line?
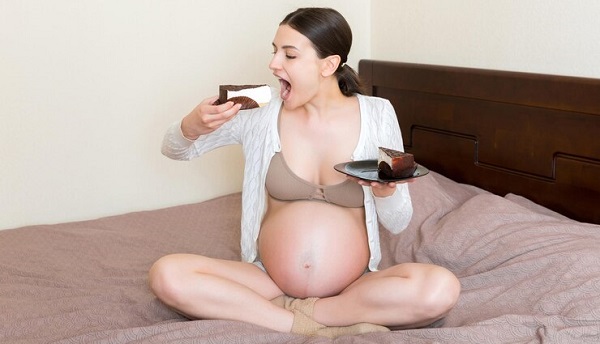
{"x":303,"y":320}
{"x":305,"y":324}
{"x":337,"y":331}
{"x":305,"y":306}
{"x":282,"y":301}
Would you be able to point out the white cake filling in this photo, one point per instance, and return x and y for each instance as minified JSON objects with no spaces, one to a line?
{"x":385,"y":158}
{"x":261,"y":94}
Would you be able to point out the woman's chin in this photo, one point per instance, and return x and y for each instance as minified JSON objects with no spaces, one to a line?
{"x":289,"y":105}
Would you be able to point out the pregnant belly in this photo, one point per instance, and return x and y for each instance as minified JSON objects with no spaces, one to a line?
{"x":313,"y":248}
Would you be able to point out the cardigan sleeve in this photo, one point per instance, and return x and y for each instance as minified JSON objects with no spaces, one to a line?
{"x":395,"y":211}
{"x":175,"y":145}
{"x":178,"y":147}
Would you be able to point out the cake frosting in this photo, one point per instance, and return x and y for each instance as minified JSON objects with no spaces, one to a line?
{"x":394,"y":164}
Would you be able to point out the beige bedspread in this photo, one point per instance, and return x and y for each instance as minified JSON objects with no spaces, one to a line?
{"x":528,"y":275}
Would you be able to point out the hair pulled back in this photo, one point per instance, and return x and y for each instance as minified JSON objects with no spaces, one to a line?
{"x":330,"y":34}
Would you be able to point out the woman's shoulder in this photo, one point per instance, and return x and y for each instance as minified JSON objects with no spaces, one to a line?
{"x":375,"y":105}
{"x":258,"y":122}
{"x":373,"y":101}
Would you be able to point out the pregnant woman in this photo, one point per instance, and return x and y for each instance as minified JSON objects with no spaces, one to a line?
{"x":309,"y":240}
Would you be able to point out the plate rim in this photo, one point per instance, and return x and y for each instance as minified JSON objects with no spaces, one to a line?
{"x":341,"y":167}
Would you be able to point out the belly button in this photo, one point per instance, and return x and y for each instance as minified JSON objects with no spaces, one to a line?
{"x":307,"y":265}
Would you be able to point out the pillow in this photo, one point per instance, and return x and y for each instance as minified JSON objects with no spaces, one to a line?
{"x":527,"y":203}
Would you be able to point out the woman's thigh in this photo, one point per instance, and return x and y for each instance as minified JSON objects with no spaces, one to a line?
{"x":412,"y":272}
{"x":423,"y":293}
{"x":185,"y":268}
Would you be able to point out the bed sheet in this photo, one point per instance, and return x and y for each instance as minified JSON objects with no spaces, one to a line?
{"x":528,"y":275}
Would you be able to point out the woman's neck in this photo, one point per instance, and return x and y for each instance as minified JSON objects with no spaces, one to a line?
{"x":328,"y":100}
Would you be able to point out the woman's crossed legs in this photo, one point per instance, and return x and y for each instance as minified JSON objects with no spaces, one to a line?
{"x":406,"y":295}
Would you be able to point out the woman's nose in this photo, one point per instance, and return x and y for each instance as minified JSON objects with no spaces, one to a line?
{"x":274,"y":64}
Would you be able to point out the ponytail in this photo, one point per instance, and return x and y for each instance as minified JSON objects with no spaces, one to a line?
{"x":349,"y":81}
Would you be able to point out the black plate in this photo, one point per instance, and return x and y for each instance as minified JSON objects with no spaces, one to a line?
{"x":367,"y":170}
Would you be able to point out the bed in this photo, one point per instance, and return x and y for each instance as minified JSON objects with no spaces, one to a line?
{"x":511,"y":206}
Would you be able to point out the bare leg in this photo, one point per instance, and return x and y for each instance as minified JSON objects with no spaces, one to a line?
{"x":202,"y":287}
{"x":406,"y":295}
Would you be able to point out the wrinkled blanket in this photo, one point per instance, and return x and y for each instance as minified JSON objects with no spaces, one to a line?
{"x":528,"y":275}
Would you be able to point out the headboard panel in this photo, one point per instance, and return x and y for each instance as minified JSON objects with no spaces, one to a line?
{"x":530,"y":134}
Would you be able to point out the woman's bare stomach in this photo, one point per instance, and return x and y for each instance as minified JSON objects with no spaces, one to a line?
{"x":313,"y":248}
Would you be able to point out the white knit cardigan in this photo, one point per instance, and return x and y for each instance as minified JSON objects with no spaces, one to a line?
{"x":256,"y":130}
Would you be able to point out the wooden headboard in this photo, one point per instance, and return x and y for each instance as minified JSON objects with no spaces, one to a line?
{"x":534,"y":135}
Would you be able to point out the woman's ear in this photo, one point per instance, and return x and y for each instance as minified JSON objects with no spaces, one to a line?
{"x":330,"y":65}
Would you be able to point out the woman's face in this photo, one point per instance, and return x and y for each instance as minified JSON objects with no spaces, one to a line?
{"x":296,"y":64}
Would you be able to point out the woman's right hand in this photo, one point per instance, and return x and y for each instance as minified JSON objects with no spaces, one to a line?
{"x":206,"y":117}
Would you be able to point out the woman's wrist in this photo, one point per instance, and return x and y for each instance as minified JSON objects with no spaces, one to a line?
{"x":186,"y":132}
{"x":383,"y":191}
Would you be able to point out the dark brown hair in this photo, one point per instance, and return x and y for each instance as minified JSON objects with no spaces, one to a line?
{"x":330,"y":34}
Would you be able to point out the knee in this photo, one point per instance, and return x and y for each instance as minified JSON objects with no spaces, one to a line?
{"x":165,"y":279}
{"x":439,"y":294}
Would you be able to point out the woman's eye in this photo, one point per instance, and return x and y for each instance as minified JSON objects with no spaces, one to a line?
{"x":290,"y":57}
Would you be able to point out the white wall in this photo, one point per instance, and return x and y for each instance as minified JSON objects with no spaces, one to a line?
{"x":87,"y":89}
{"x":540,"y":36}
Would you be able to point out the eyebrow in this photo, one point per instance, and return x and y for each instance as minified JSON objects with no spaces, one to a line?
{"x":285,"y":47}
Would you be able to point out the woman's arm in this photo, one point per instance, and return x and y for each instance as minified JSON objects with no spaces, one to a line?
{"x":204,"y":128}
{"x":392,"y":200}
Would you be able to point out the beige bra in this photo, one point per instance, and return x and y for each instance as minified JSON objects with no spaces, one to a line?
{"x":283,"y":184}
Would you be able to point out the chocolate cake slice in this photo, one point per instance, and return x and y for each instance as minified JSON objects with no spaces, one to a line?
{"x":250,"y":96}
{"x":394,"y":164}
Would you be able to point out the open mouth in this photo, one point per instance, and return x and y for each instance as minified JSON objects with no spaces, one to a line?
{"x":286,"y":89}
